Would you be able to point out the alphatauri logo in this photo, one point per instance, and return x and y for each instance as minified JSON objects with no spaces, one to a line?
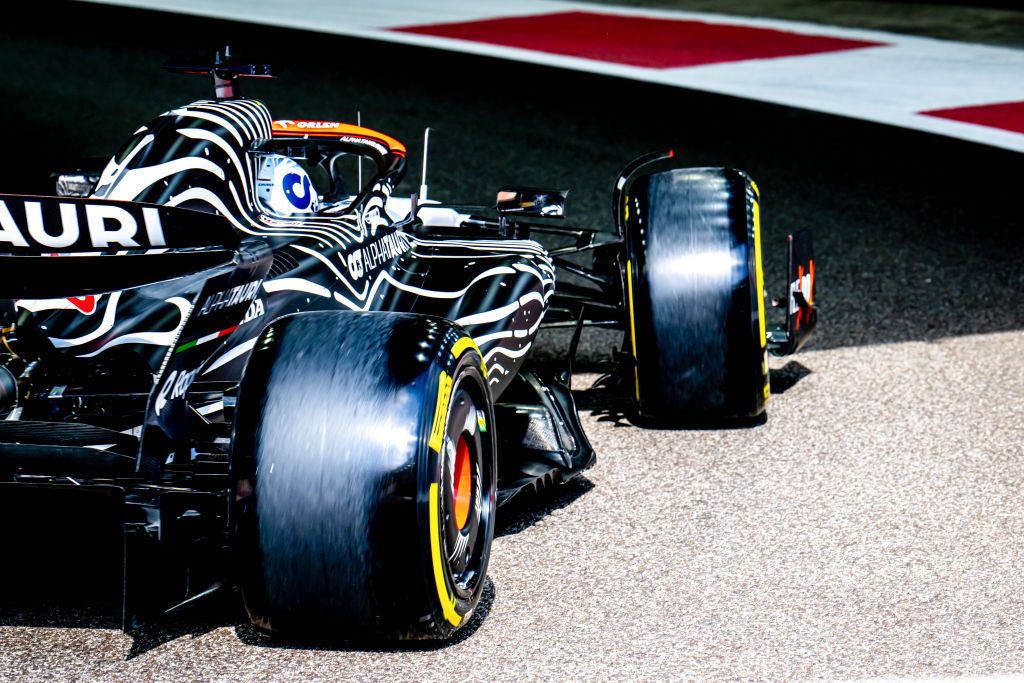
{"x":78,"y":226}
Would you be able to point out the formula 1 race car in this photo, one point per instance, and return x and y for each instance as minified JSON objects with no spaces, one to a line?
{"x":266,"y":362}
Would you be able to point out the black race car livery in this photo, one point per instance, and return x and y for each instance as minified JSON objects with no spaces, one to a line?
{"x":296,"y":382}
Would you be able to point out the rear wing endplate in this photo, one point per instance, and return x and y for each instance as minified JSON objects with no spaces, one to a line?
{"x":801,"y":315}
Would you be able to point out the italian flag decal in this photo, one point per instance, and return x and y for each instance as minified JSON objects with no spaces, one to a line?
{"x":208,"y":338}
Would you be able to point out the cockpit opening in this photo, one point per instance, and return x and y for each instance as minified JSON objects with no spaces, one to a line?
{"x":304,"y":177}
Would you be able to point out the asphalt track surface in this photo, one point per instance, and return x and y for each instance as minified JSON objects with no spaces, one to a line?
{"x":872,"y":527}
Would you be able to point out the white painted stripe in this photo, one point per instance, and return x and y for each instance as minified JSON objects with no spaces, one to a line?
{"x":212,"y":408}
{"x":36,"y":305}
{"x":533,"y":271}
{"x":506,"y":352}
{"x":516,"y":246}
{"x":330,"y":266}
{"x":434,"y":294}
{"x":219,"y":120}
{"x":234,"y":353}
{"x":154,"y":338}
{"x":113,"y":169}
{"x":487,"y":338}
{"x":489,"y":316}
{"x":203,"y":134}
{"x":295,"y":284}
{"x":240,"y":118}
{"x":134,"y":181}
{"x":105,"y":326}
{"x":208,"y":338}
{"x":531,"y":296}
{"x":351,"y":305}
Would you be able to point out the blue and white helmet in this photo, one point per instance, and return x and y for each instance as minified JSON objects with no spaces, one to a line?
{"x":285,"y":188}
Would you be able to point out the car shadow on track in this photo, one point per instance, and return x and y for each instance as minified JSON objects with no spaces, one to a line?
{"x":609,"y":401}
{"x":96,"y":610}
{"x":87,"y":611}
{"x":47,"y":597}
{"x":61,"y":567}
{"x":785,"y":378}
{"x":251,"y":635}
{"x":529,"y":508}
{"x":225,"y":610}
{"x":610,"y":404}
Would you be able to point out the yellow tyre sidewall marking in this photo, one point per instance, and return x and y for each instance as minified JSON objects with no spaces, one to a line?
{"x":444,"y":391}
{"x":437,"y":434}
{"x":632,"y":326}
{"x":759,"y":276}
{"x":629,"y":296}
{"x":468,"y":343}
{"x":447,"y":600}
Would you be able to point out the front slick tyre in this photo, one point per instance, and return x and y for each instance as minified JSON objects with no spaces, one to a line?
{"x":695,"y":294}
{"x":364,"y":473}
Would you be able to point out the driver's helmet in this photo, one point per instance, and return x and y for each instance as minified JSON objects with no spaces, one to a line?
{"x":284,"y":187}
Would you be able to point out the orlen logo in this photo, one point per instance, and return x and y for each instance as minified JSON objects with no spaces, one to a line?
{"x":105,"y":226}
{"x":318,"y":124}
{"x":307,"y":125}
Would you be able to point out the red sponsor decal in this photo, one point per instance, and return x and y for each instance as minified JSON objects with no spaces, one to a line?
{"x":85,"y":304}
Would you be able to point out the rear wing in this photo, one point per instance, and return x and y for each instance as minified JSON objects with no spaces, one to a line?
{"x":224,"y":70}
{"x":151,"y":243}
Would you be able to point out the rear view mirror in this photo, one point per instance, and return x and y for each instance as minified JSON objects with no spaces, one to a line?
{"x":76,"y":184}
{"x":81,"y":179}
{"x":531,"y":201}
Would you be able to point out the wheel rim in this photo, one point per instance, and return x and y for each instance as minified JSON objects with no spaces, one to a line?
{"x":462,"y":482}
{"x":467,"y":504}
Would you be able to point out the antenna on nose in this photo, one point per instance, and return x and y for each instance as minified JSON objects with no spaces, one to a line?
{"x":423,"y":178}
{"x":359,"y":122}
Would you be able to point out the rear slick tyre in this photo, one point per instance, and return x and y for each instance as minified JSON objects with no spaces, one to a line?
{"x":364,"y":474}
